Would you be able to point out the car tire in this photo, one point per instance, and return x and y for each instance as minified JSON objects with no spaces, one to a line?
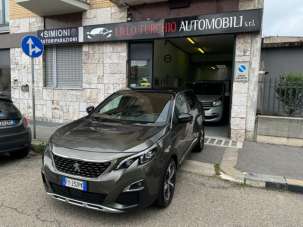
{"x":168,"y":185}
{"x":20,"y":153}
{"x":200,"y":145}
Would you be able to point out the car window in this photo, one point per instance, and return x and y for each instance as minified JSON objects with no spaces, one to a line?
{"x":181,"y":105}
{"x":138,"y":107}
{"x":110,"y":106}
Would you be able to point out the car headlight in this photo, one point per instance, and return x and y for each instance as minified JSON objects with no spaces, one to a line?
{"x":142,"y":158}
{"x":48,"y":148}
{"x":217,"y":103}
{"x":47,"y":151}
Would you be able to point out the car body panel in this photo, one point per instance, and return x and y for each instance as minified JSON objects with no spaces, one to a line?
{"x":14,"y":137}
{"x":89,"y":135}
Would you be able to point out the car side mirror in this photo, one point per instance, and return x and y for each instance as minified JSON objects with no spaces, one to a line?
{"x":90,"y":109}
{"x":185,"y":118}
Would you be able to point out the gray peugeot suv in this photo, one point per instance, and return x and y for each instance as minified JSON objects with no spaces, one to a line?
{"x":125,"y":153}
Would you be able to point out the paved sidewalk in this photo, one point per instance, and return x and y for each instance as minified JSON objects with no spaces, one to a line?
{"x":269,"y":159}
{"x":210,"y":154}
{"x":45,"y":129}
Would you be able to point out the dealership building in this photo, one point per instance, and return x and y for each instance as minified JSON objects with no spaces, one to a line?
{"x":96,"y":47}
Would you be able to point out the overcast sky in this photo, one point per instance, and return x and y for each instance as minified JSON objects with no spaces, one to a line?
{"x":283,"y":17}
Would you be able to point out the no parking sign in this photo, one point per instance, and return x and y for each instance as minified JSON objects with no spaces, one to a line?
{"x":241,"y":74}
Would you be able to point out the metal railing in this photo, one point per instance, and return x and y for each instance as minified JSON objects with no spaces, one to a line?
{"x":279,"y":98}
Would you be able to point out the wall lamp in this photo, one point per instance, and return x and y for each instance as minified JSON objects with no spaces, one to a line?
{"x":201,"y":50}
{"x":191,"y":41}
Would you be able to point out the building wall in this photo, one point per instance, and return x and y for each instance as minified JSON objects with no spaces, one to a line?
{"x":16,"y":11}
{"x":104,"y":70}
{"x":273,"y":61}
{"x":197,"y":7}
{"x":244,"y":101}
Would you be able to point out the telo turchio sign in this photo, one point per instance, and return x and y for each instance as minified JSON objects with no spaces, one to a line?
{"x":224,"y":23}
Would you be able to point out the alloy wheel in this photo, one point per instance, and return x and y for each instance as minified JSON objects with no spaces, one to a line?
{"x":169,"y":181}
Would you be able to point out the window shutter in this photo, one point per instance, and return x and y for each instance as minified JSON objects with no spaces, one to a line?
{"x":69,"y":67}
{"x":49,"y":66}
{"x":63,"y":67}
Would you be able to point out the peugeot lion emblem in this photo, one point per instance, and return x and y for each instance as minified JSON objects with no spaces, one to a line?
{"x":107,"y":33}
{"x":77,"y":167}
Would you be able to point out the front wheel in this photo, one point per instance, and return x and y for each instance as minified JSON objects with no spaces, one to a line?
{"x":168,"y":185}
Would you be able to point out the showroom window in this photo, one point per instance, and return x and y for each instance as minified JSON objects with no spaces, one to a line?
{"x":140,"y":65}
{"x":3,"y":13}
{"x":63,"y":67}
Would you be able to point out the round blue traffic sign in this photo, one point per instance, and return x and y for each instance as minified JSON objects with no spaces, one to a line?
{"x":242,"y":68}
{"x":32,"y":46}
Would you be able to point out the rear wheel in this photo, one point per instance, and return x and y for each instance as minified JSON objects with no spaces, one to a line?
{"x":20,"y":153}
{"x":168,"y":185}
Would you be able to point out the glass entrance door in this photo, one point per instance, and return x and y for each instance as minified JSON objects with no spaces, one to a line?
{"x":140,"y":65}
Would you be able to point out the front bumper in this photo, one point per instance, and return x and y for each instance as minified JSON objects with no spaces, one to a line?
{"x":106,"y":193}
{"x":85,"y":204}
{"x":213,"y":114}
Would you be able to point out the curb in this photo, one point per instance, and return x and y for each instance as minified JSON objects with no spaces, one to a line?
{"x":230,"y":173}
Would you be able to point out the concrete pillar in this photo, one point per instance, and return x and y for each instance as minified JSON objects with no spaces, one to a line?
{"x":245,"y":94}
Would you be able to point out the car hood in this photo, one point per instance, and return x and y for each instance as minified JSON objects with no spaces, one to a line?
{"x":106,"y":137}
{"x":208,"y":98}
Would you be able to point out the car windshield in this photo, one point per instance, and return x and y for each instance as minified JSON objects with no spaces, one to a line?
{"x":208,"y":88}
{"x":136,"y":107}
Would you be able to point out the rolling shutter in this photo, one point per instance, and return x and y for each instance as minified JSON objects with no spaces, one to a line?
{"x":63,"y":67}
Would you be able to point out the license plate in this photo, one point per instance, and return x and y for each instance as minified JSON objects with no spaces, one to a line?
{"x":5,"y":123}
{"x":72,"y":183}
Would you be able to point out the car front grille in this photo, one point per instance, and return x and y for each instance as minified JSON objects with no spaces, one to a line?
{"x":207,"y":105}
{"x":80,"y":168}
{"x":88,"y":197}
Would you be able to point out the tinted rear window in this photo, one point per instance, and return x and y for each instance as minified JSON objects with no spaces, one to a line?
{"x":8,"y":110}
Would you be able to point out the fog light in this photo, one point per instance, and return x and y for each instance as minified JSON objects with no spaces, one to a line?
{"x":137,"y":186}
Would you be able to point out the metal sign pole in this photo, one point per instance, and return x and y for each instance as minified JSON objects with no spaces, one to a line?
{"x":32,"y":47}
{"x":33,"y":98}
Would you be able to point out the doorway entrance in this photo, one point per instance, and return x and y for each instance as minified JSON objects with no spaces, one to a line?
{"x":203,"y":63}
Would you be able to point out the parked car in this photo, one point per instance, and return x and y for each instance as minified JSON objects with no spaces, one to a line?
{"x":15,"y":133}
{"x":125,"y":153}
{"x":211,"y":94}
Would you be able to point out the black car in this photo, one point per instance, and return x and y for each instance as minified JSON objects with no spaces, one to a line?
{"x":125,"y":153}
{"x":15,"y":134}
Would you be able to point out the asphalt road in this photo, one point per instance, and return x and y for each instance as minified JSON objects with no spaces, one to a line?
{"x":198,"y":201}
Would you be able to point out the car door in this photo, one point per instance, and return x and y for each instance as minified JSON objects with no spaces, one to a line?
{"x":181,"y":130}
